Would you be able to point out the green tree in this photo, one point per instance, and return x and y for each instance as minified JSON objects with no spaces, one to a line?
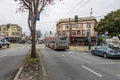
{"x":110,"y":23}
{"x":34,"y":9}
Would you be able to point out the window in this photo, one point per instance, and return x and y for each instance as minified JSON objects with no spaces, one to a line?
{"x":79,"y":25}
{"x":68,"y":32}
{"x":73,"y":26}
{"x":67,"y":26}
{"x":13,"y":33}
{"x":64,"y":33}
{"x":14,"y":29}
{"x":6,"y":33}
{"x":4,"y":29}
{"x":74,"y":32}
{"x":78,"y":32}
{"x":83,"y":32}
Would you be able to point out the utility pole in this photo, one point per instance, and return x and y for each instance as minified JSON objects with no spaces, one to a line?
{"x":70,"y":35}
{"x":89,"y":35}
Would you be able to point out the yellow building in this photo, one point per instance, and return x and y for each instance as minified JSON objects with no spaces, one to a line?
{"x":11,"y":32}
{"x":77,"y":31}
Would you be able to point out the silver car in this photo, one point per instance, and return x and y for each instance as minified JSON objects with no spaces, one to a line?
{"x":106,"y":51}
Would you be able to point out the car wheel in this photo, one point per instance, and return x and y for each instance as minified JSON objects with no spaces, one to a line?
{"x":105,"y":55}
{"x":92,"y":52}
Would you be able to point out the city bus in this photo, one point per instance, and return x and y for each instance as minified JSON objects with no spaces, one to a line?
{"x":57,"y":42}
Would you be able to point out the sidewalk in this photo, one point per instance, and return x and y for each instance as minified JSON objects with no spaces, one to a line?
{"x":80,"y":48}
{"x":13,"y":44}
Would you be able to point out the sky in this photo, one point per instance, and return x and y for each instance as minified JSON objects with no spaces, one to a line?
{"x":51,"y":14}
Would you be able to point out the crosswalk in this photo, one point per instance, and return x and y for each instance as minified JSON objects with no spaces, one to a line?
{"x":22,"y":46}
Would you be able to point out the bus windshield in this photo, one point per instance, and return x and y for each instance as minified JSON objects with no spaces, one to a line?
{"x":62,"y":38}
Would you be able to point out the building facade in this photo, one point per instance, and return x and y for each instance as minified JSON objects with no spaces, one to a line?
{"x":78,"y":31}
{"x":11,"y":32}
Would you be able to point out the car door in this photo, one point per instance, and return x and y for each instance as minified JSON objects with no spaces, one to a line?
{"x":97,"y":50}
{"x":102,"y":50}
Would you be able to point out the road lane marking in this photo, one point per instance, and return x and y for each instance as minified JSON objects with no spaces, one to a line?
{"x":3,"y":56}
{"x":70,"y":52}
{"x":92,"y":71}
{"x":118,"y":75}
{"x":63,"y":55}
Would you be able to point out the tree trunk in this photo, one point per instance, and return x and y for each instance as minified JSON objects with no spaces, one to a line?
{"x":33,"y":52}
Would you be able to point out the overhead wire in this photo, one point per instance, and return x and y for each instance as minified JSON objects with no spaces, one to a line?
{"x":73,"y":8}
{"x":76,"y":9}
{"x":54,"y":21}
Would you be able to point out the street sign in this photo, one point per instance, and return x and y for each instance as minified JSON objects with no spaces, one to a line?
{"x":105,"y":35}
{"x":38,"y":18}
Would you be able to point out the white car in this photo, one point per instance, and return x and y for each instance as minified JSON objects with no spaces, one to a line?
{"x":110,"y":43}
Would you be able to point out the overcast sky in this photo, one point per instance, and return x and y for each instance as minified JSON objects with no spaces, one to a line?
{"x":52,"y":14}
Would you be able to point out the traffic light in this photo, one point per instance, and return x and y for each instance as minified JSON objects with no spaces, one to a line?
{"x":76,"y":18}
{"x":8,"y":25}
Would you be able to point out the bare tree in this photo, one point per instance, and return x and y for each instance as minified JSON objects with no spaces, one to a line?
{"x":34,"y":8}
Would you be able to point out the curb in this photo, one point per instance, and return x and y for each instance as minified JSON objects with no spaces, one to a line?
{"x":19,"y":71}
{"x":13,"y":45}
{"x":18,"y":74}
{"x":43,"y":71}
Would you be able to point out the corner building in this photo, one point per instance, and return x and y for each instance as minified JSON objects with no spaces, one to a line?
{"x":12,"y":32}
{"x":78,"y":31}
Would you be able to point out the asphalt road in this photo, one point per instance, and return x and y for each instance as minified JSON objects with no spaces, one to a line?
{"x":11,"y":59}
{"x":76,"y":65}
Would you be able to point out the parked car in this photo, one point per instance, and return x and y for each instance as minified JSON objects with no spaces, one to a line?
{"x":4,"y":42}
{"x":1,"y":43}
{"x":106,"y":51}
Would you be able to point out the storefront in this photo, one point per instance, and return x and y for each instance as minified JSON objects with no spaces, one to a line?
{"x":13,"y":39}
{"x":82,"y":41}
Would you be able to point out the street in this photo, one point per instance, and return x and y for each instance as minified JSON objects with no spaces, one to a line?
{"x":11,"y":59}
{"x":76,"y":65}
